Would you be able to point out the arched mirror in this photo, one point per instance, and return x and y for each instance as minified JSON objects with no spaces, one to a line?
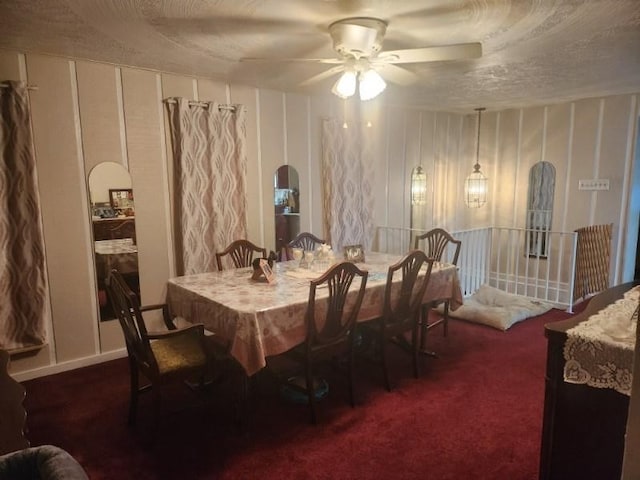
{"x":287,"y":205}
{"x":114,"y":229}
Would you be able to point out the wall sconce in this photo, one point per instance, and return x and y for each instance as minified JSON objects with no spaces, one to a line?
{"x":476,"y":184}
{"x":418,"y":186}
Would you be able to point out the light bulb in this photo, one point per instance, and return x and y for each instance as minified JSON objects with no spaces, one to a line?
{"x":371,"y":84}
{"x":345,"y":86}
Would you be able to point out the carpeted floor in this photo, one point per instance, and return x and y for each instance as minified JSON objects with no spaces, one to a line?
{"x":475,"y":413}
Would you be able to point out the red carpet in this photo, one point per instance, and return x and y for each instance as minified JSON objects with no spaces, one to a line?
{"x":476,"y":413}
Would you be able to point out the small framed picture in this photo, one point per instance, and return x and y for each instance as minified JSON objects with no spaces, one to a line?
{"x":267,"y":271}
{"x":121,"y":200}
{"x":354,"y":253}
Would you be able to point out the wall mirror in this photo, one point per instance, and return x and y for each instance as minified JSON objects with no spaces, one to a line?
{"x":287,"y":207}
{"x":114,"y":230}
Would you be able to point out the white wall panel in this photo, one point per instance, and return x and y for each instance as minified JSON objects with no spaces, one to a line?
{"x":395,"y":178}
{"x":100,"y":119}
{"x":297,"y":149}
{"x":213,"y":90}
{"x":271,"y":146}
{"x":142,"y":111}
{"x":64,"y":205}
{"x":247,"y":97}
{"x":321,"y":108}
{"x":99,"y":114}
{"x":557,"y":152}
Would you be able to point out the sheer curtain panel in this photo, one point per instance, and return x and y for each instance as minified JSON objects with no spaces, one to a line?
{"x":210,"y":169}
{"x":24,"y":295}
{"x":347,"y":180}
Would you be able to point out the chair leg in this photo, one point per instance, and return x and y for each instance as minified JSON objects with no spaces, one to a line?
{"x":424,"y":325}
{"x":415,"y":350}
{"x":311,"y":393}
{"x":157,"y":405}
{"x":133,"y":395}
{"x":242,"y":400}
{"x":383,"y":360}
{"x":445,"y":319}
{"x":350,"y":373}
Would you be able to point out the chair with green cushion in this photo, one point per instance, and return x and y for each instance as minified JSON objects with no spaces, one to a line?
{"x":172,"y":355}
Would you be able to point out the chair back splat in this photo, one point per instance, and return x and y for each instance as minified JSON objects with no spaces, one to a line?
{"x":330,"y":327}
{"x":436,"y":243}
{"x":402,"y":301}
{"x":307,"y":241}
{"x":241,"y":252}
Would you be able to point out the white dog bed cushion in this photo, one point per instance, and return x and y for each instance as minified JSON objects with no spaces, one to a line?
{"x":495,"y":308}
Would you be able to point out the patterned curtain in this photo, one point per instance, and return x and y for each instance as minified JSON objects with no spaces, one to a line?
{"x":210,"y":165}
{"x":24,"y":296}
{"x":347,"y":178}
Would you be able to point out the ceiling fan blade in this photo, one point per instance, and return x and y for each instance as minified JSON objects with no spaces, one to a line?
{"x":395,"y":74}
{"x":433,"y":54}
{"x":322,"y":76}
{"x":307,"y":60}
{"x":221,"y":24}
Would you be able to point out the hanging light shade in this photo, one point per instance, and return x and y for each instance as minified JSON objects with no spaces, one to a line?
{"x":476,"y":184}
{"x":371,"y":84}
{"x":418,"y":187}
{"x":345,"y":86}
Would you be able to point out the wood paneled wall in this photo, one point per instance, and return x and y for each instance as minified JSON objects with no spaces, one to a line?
{"x":85,"y":113}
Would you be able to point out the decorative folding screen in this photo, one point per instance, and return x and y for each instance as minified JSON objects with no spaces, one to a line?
{"x":592,"y":260}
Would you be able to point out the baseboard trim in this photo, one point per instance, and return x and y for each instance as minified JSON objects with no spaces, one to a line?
{"x":70,"y":365}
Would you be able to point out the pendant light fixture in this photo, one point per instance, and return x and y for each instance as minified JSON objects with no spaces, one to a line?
{"x":476,"y":184}
{"x":418,"y":186}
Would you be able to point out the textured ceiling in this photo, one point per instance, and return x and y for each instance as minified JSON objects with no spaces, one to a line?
{"x":534,"y":51}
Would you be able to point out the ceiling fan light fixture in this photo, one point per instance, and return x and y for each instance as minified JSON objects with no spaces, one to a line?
{"x":345,"y":86}
{"x":371,"y":84}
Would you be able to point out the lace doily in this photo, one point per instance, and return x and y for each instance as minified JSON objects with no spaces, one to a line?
{"x":599,"y":351}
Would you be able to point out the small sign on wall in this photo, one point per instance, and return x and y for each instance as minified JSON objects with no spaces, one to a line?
{"x":594,"y":184}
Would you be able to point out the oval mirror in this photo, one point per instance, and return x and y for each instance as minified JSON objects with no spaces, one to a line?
{"x":114,"y":230}
{"x":287,"y":206}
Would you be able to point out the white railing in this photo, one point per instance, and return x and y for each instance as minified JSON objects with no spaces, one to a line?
{"x":502,"y":257}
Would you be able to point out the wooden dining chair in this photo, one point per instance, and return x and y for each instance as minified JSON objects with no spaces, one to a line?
{"x":330,"y":326}
{"x":442,"y":247}
{"x":241,"y":253}
{"x":407,"y":282}
{"x":306,"y":241}
{"x":175,"y":354}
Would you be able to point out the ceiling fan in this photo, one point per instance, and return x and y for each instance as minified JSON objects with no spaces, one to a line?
{"x":357,"y":42}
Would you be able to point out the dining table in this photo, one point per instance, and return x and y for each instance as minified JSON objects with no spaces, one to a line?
{"x":121,"y":254}
{"x":259,"y":319}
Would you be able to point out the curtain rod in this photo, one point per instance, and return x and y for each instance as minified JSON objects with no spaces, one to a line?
{"x":29,"y":87}
{"x":202,"y":104}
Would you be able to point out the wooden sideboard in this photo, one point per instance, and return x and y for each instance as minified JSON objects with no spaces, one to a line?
{"x":583,"y":430}
{"x":114,"y":228}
